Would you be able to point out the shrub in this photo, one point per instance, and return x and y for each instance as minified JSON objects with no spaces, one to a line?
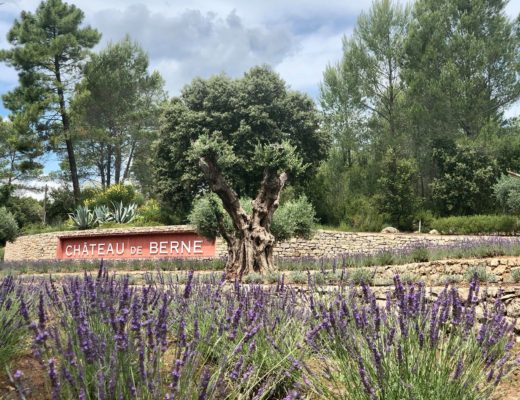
{"x":385,"y":258}
{"x":515,"y":275}
{"x":2,"y":251}
{"x":362,"y":216}
{"x":8,"y":226}
{"x":254,"y":277}
{"x":359,"y":276}
{"x":25,"y":210}
{"x":299,"y":277}
{"x":115,"y":194}
{"x":293,"y":218}
{"x":420,"y":254}
{"x":507,"y":192}
{"x":476,"y":224}
{"x":149,"y":212}
{"x":480,"y":273}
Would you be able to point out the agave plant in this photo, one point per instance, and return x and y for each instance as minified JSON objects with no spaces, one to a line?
{"x":83,"y":218}
{"x":103,"y":214}
{"x":124,"y":214}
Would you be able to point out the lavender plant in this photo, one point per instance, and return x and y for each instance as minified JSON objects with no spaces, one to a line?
{"x":13,"y":329}
{"x":409,"y":348}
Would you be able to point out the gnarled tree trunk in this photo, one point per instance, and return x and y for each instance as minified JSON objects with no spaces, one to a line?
{"x":250,"y":247}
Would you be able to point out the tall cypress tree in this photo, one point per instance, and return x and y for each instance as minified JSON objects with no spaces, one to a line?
{"x":48,"y":49}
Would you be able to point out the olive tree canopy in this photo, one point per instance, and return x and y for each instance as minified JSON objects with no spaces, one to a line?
{"x":239,"y":138}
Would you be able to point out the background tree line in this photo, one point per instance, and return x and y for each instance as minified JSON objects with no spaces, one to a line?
{"x":411,"y":116}
{"x":416,"y":109}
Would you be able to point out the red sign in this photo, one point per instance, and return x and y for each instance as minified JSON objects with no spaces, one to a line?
{"x":138,"y":245}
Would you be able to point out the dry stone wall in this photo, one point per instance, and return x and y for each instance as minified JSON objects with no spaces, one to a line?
{"x":438,"y":272}
{"x":323,"y":244}
{"x":330,"y":244}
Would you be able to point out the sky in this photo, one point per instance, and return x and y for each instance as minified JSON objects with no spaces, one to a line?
{"x":298,"y":38}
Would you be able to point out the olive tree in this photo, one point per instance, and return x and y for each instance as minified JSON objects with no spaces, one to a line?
{"x":238,"y":138}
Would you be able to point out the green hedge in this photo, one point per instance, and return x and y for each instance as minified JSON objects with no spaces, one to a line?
{"x":477,"y":224}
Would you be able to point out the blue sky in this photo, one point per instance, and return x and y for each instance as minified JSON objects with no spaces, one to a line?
{"x":202,"y":37}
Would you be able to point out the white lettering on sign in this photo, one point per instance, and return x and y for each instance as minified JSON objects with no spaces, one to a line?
{"x":68,"y":250}
{"x":197,"y":246}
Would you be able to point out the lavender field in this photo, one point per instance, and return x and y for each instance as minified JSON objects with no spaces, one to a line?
{"x":98,"y":337}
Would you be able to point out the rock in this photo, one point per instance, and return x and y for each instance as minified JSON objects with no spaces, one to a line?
{"x":434,"y":232}
{"x":389,"y":229}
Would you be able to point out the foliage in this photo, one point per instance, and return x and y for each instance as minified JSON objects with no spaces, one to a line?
{"x":205,"y":215}
{"x":60,"y":204}
{"x":397,"y":196}
{"x":420,"y":254}
{"x":83,"y":218}
{"x":507,"y":192}
{"x":461,"y":65}
{"x":241,"y":124}
{"x":122,"y":214}
{"x":465,"y":182}
{"x":25,"y":210}
{"x":292,"y":218}
{"x":149,"y":212}
{"x":48,"y":50}
{"x":360,"y":276}
{"x":479,"y":273}
{"x":476,"y":224}
{"x":8,"y":226}
{"x":515,"y":275}
{"x":20,"y":150}
{"x":103,"y":215}
{"x":115,"y":194}
{"x":116,"y":134}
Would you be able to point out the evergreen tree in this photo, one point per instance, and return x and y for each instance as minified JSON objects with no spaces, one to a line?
{"x":117,"y":109}
{"x":48,"y":49}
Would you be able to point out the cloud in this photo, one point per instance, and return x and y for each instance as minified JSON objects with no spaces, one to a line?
{"x":194,"y":43}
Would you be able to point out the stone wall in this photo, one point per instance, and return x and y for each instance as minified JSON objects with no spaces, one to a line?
{"x":323,"y":244}
{"x":436,"y":272}
{"x":330,"y":244}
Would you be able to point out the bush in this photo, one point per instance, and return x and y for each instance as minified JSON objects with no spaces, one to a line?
{"x":25,"y":210}
{"x":507,"y":192}
{"x":2,"y":252}
{"x":294,"y":218}
{"x":299,"y":277}
{"x":420,"y":254}
{"x":476,"y":224}
{"x":254,"y":277}
{"x":515,"y":275}
{"x":8,"y":226}
{"x":149,"y":212}
{"x":60,"y":205}
{"x":115,"y":194}
{"x":480,"y":273}
{"x":362,"y":216}
{"x":360,"y":276}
